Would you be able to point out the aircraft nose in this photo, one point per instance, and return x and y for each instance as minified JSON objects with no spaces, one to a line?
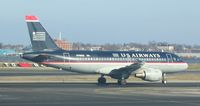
{"x":185,"y":66}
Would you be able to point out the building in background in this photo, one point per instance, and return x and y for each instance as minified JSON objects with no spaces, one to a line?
{"x":98,"y":48}
{"x":65,"y":45}
{"x":167,"y":48}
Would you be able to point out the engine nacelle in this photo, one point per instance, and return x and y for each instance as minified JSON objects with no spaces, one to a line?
{"x":150,"y":74}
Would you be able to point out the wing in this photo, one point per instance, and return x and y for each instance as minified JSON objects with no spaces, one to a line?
{"x":119,"y":71}
{"x":129,"y":69}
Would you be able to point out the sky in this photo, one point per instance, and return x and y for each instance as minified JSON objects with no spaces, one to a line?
{"x":104,"y":21}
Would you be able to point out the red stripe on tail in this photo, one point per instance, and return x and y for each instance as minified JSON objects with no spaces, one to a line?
{"x":31,"y":18}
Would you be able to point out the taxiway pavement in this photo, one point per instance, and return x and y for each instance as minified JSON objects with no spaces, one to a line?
{"x":90,"y":94}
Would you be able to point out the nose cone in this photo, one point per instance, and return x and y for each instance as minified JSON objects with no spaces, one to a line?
{"x":184,"y":66}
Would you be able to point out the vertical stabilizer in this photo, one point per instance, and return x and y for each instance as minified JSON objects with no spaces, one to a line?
{"x":40,"y":39}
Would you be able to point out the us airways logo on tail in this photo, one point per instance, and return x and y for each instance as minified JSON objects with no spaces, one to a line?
{"x":136,"y":55}
{"x":39,"y":36}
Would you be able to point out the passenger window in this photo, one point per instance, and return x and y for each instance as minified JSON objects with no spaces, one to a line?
{"x":174,"y":59}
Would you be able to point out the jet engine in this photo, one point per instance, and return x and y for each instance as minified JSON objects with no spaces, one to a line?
{"x":150,"y":74}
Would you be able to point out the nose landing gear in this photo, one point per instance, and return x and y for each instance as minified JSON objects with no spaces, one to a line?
{"x":164,"y":79}
{"x":102,"y":80}
{"x":121,"y":82}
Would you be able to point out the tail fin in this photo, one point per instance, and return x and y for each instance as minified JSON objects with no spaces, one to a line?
{"x":40,"y":39}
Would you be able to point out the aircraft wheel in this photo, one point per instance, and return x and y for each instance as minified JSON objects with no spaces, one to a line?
{"x":101,"y":80}
{"x":164,"y":80}
{"x":118,"y":82}
{"x":121,"y":82}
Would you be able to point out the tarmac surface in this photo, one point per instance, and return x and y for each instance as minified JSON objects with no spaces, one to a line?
{"x":90,"y":94}
{"x":83,"y":93}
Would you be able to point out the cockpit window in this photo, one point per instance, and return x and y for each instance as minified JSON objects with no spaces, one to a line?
{"x":177,"y":58}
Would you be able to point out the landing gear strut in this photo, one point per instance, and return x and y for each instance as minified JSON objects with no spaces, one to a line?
{"x":121,"y":81}
{"x":101,"y":80}
{"x":164,"y":79}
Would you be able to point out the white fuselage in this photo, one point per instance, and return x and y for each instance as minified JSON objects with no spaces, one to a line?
{"x":94,"y":67}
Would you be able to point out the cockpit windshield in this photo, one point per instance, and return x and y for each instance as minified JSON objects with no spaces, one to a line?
{"x":176,"y":58}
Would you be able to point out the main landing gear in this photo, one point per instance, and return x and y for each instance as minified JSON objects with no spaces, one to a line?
{"x":102,"y":80}
{"x":121,"y":81}
{"x":164,"y":79}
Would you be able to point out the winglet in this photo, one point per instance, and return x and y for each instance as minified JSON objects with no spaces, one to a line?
{"x":31,"y":18}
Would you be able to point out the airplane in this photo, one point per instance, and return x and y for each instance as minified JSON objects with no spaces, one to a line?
{"x":120,"y":65}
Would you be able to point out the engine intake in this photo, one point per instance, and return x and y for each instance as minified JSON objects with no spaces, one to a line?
{"x":150,"y":75}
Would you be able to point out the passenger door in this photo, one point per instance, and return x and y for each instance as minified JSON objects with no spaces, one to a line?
{"x":66,"y":57}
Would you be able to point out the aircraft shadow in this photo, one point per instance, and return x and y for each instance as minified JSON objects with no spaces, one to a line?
{"x":177,"y":84}
{"x":95,"y":85}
